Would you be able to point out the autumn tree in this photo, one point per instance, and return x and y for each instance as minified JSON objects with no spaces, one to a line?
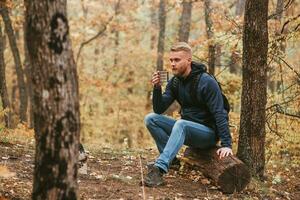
{"x":240,"y":7}
{"x":161,"y":36}
{"x":185,"y":21}
{"x":17,"y":59}
{"x":210,"y":36}
{"x":251,"y":147}
{"x":235,"y":53}
{"x":3,"y":88}
{"x":55,"y":94}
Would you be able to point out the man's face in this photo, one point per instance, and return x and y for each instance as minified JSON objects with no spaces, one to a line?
{"x":180,"y":63}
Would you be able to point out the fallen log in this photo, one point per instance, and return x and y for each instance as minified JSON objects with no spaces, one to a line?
{"x":229,"y":173}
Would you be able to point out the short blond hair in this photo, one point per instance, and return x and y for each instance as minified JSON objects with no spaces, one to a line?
{"x":182,"y":46}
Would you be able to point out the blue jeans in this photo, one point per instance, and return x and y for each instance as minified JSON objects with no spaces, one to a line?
{"x":170,"y":135}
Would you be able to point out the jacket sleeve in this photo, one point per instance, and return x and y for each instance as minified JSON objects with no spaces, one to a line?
{"x":161,"y":101}
{"x":212,"y":96}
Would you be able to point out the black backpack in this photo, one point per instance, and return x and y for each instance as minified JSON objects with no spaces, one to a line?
{"x":193,"y":89}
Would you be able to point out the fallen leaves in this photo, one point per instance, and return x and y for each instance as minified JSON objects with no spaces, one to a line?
{"x":5,"y":173}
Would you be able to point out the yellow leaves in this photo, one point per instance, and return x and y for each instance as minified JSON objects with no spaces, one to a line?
{"x":5,"y":173}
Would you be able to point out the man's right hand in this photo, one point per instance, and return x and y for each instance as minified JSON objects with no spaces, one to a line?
{"x":156,"y":79}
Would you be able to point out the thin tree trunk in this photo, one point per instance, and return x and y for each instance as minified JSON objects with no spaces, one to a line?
{"x":279,"y":9}
{"x":161,"y":37}
{"x":18,"y":65}
{"x":27,"y":69}
{"x":56,"y":101}
{"x":234,"y":65}
{"x":240,"y":7}
{"x":210,"y":36}
{"x":117,"y":34}
{"x":153,"y":34}
{"x":218,"y":55}
{"x":234,"y":61}
{"x":251,"y":148}
{"x":3,"y":88}
{"x":282,"y":42}
{"x":185,"y":21}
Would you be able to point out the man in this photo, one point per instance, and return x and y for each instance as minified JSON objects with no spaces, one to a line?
{"x":201,"y":124}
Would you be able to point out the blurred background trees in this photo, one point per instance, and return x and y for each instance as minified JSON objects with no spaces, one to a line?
{"x":118,"y":44}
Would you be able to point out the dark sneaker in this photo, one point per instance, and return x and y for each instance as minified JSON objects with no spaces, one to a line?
{"x":175,"y":164}
{"x":154,"y":177}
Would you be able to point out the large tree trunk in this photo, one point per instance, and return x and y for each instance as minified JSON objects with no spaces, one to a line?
{"x":3,"y":88}
{"x":210,"y":36}
{"x":185,"y":21}
{"x":18,"y":65}
{"x":161,"y":37}
{"x":56,"y":101}
{"x":251,"y":148}
{"x":27,"y":68}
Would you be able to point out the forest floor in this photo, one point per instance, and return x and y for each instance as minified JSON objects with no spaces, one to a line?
{"x":116,"y":174}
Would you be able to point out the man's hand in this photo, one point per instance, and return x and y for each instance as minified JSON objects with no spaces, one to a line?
{"x":224,"y":151}
{"x":155,"y":79}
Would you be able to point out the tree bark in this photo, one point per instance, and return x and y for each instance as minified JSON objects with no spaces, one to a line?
{"x":234,"y":65}
{"x":18,"y":65}
{"x":117,"y":33}
{"x":27,"y":69}
{"x":210,"y":36}
{"x":282,"y":42}
{"x":3,"y":88}
{"x":229,"y":173}
{"x":153,"y":16}
{"x":161,"y":37}
{"x":56,"y":101}
{"x":251,"y":148}
{"x":185,"y":21}
{"x":235,"y":58}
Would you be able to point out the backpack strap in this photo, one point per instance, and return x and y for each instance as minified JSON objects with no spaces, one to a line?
{"x":175,"y":86}
{"x":194,"y":88}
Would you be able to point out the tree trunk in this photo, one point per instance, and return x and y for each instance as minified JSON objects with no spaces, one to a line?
{"x":282,"y":41}
{"x":56,"y":101}
{"x":229,"y":173}
{"x":161,"y":37}
{"x":18,"y":65}
{"x":234,"y":65}
{"x":3,"y":88}
{"x":185,"y":21}
{"x":153,"y":16}
{"x":251,"y":148}
{"x":27,"y":69}
{"x":117,"y":34}
{"x":240,"y":7}
{"x":279,"y":9}
{"x":210,"y":36}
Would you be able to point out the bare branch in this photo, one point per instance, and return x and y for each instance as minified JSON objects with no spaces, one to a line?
{"x":288,"y":21}
{"x":100,"y":33}
{"x":297,"y":73}
{"x":274,"y":15}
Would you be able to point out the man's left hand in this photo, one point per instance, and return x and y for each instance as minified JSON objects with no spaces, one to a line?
{"x":224,"y":151}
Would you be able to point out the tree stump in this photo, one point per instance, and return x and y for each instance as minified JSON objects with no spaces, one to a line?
{"x":229,"y":173}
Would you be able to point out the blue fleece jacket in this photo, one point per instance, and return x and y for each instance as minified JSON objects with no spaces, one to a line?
{"x":209,"y":109}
